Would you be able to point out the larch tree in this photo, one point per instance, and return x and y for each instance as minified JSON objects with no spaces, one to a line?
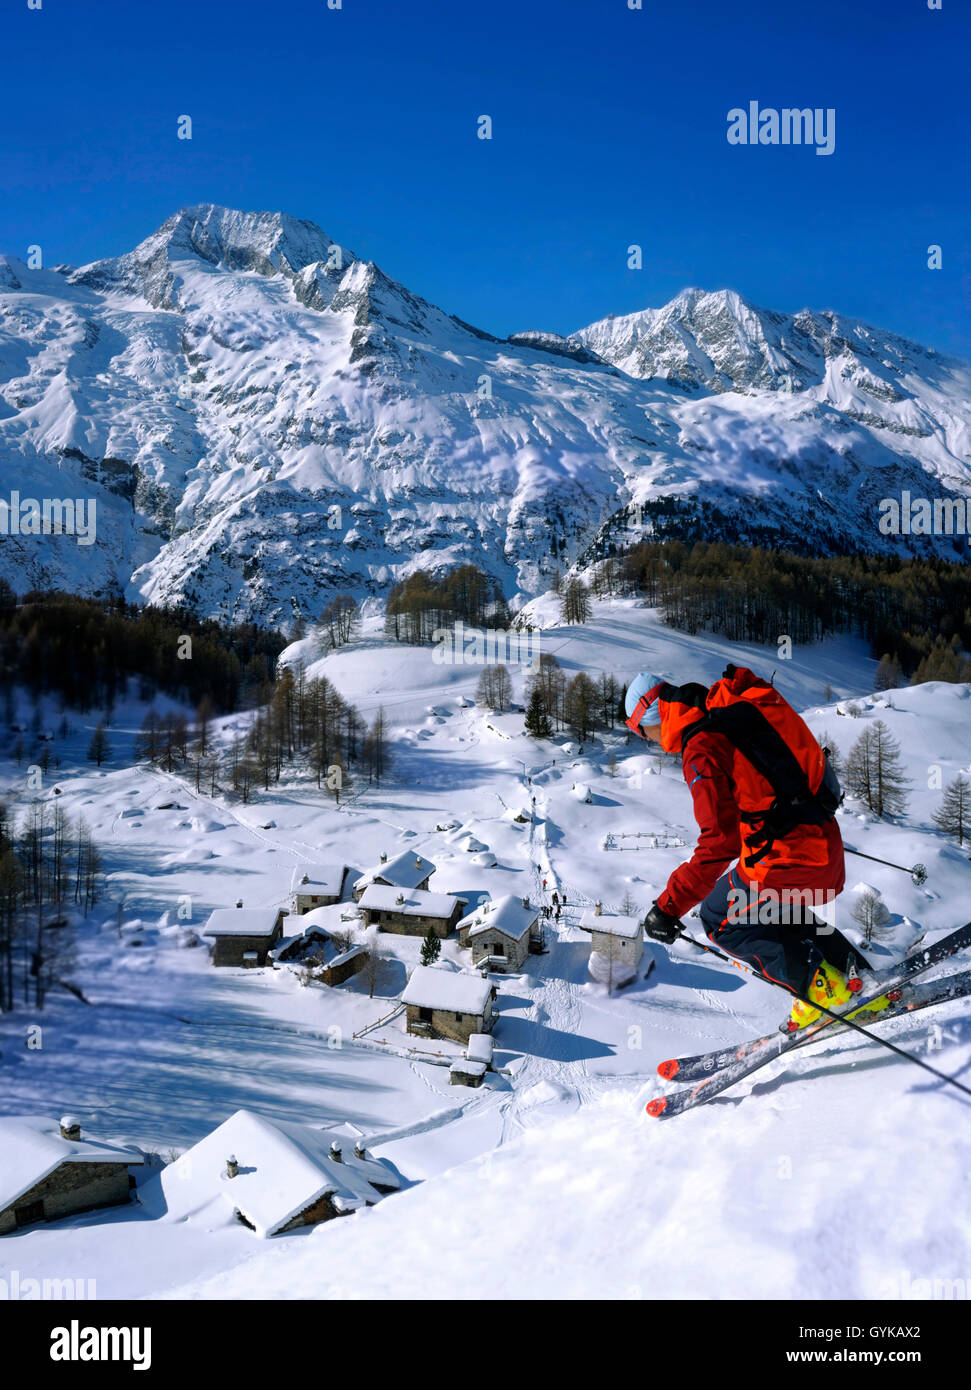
{"x":953,"y":817}
{"x":575,"y":606}
{"x":99,"y":749}
{"x":494,"y":688}
{"x":871,"y":912}
{"x":874,"y":773}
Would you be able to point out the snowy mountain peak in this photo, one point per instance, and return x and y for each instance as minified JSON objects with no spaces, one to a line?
{"x":269,"y":243}
{"x":9,"y":278}
{"x":294,"y":421}
{"x":718,"y":341}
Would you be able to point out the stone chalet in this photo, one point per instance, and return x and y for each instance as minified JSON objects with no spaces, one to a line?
{"x":618,"y":938}
{"x":501,"y":933}
{"x":405,"y":870}
{"x":318,"y":887}
{"x":243,"y":935}
{"x":410,"y":913}
{"x":47,"y":1170}
{"x":293,"y":950}
{"x":275,"y":1174}
{"x":443,"y":1003}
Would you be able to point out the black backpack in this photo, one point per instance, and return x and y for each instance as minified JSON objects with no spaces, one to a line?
{"x":747,"y":729}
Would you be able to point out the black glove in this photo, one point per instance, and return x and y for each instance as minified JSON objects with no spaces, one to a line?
{"x":661,"y":926}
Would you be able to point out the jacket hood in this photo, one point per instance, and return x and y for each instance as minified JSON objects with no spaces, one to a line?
{"x":680,"y":706}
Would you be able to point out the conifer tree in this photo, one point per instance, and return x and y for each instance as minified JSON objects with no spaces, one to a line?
{"x":954,"y":815}
{"x":874,"y":771}
{"x":537,"y":720}
{"x":431,"y":948}
{"x":889,"y":673}
{"x":580,"y":704}
{"x":99,"y":749}
{"x":575,"y":602}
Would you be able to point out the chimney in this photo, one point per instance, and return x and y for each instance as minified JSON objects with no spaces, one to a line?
{"x":525,"y":902}
{"x":335,"y":1152}
{"x":384,"y":859}
{"x":232,"y":1167}
{"x":400,"y":899}
{"x":417,"y":861}
{"x":239,"y":902}
{"x":359,"y":1150}
{"x":70,"y":1128}
{"x":598,"y":909}
{"x":305,"y":879}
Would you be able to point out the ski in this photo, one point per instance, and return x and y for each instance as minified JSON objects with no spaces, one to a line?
{"x":917,"y":997}
{"x":767,"y":1049}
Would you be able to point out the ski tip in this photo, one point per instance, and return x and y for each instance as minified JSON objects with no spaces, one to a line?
{"x":669,"y":1069}
{"x":657,"y":1107}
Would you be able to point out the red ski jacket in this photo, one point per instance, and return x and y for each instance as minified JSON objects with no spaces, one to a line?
{"x":810,"y":859}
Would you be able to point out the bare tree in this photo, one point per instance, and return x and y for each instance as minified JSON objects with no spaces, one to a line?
{"x":575,"y":604}
{"x":338,"y":620}
{"x":871,"y":912}
{"x":546,"y":676}
{"x":376,"y":964}
{"x":494,"y":689}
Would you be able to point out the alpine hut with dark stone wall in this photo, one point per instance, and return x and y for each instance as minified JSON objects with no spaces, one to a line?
{"x":48,"y":1170}
{"x":243,"y":935}
{"x":410,"y":912}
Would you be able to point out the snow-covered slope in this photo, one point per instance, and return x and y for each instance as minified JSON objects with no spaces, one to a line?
{"x":262,"y":418}
{"x":778,"y":1189}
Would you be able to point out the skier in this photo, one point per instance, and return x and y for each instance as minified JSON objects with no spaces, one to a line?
{"x":763,"y":796}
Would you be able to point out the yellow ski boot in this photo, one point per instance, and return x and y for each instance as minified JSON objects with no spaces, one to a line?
{"x":832,"y":989}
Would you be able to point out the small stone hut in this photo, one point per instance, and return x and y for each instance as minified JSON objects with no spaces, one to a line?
{"x":442,"y":1003}
{"x":318,"y":887}
{"x":48,"y":1170}
{"x":243,"y":935}
{"x":499,"y":932}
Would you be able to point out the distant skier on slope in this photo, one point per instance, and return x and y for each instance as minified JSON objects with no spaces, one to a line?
{"x":764,"y":796}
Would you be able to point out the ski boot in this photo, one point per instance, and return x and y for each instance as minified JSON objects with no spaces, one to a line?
{"x":833,"y":989}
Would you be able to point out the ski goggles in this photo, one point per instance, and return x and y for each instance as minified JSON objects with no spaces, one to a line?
{"x":649,"y":698}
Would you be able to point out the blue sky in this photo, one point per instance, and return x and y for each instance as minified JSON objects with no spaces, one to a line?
{"x":609,"y":129}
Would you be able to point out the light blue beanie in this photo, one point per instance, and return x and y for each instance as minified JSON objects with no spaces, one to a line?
{"x":640,"y":685}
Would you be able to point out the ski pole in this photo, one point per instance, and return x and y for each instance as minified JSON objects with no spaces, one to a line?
{"x":918,"y":873}
{"x":839,"y":1018}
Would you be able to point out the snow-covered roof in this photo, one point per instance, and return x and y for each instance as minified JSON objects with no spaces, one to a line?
{"x":345,"y":956}
{"x":464,"y":1067}
{"x":406,"y":870}
{"x":31,"y":1148}
{"x":324,"y":881}
{"x":310,"y":936}
{"x":418,"y":902}
{"x":431,"y":988}
{"x":242,"y":921}
{"x":284,"y":1166}
{"x":506,"y":915}
{"x":479,"y":1047}
{"x":611,"y":923}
